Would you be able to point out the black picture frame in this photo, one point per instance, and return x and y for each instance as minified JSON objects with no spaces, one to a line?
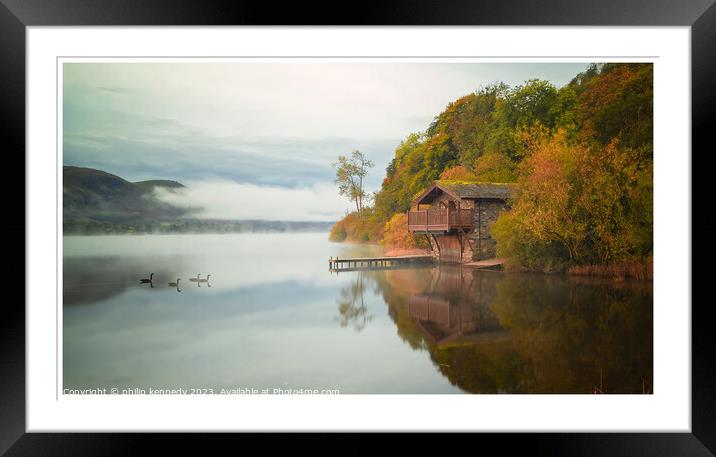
{"x":700,"y":15}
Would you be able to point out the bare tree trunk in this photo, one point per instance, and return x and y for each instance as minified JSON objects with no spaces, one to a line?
{"x":360,"y":189}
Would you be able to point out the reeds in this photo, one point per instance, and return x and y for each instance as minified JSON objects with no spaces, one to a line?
{"x":642,"y":271}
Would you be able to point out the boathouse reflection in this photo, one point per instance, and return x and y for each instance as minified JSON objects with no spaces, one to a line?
{"x":455,"y":308}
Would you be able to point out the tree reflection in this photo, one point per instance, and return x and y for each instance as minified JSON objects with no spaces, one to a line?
{"x":489,"y":332}
{"x":351,"y":304}
{"x":577,"y":335}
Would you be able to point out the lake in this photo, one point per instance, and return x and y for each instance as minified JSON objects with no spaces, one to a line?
{"x":272,"y":316}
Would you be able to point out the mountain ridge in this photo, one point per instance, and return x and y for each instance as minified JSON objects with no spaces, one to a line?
{"x":97,"y":202}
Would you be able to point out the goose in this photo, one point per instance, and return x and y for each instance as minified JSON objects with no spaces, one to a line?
{"x":147,"y":280}
{"x":205,"y":280}
{"x":197,"y":279}
{"x":176,"y":284}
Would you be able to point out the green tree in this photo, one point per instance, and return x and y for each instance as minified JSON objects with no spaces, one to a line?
{"x":349,"y":177}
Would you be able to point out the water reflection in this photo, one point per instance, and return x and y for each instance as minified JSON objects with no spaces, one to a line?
{"x":490,"y":332}
{"x":88,"y":280}
{"x":274,"y":316}
{"x":454,"y":309}
{"x":351,"y":304}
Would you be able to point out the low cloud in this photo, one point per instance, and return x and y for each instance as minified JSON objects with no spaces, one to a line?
{"x":231,"y":200}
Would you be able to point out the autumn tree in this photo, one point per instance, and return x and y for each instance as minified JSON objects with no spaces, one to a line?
{"x":544,"y":206}
{"x":458,"y":173}
{"x":495,"y":167}
{"x":397,"y":235}
{"x":578,"y":204}
{"x":618,"y":103}
{"x":350,"y":172}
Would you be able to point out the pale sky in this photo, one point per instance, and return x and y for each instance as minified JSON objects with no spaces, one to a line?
{"x":231,"y":130}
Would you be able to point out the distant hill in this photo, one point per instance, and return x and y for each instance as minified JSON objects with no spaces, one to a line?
{"x":151,"y":184}
{"x":94,"y":202}
{"x":95,"y":195}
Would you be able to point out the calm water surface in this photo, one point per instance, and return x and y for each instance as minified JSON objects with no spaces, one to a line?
{"x":273,"y":316}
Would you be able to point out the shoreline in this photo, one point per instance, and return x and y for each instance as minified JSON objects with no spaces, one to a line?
{"x":621,"y":271}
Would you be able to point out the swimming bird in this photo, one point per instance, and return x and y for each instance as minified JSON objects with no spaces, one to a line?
{"x":206,"y":281}
{"x":197,"y":279}
{"x":176,"y":284}
{"x":147,"y":280}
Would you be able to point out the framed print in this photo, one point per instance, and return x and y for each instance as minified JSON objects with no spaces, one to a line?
{"x":286,"y":222}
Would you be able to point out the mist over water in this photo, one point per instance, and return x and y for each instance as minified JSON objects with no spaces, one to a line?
{"x":231,"y":200}
{"x":273,"y":316}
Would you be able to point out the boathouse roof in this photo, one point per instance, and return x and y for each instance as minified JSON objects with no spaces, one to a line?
{"x":462,"y":190}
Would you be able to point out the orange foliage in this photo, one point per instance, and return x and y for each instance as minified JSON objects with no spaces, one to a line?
{"x":397,"y":235}
{"x":458,"y":173}
{"x":593,"y":200}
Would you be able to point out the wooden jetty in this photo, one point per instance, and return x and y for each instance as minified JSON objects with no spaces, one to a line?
{"x":377,"y":263}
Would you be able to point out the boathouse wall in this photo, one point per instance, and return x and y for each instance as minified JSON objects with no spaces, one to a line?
{"x":486,"y":212}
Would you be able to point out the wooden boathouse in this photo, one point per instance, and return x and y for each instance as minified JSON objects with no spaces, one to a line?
{"x":456,"y":217}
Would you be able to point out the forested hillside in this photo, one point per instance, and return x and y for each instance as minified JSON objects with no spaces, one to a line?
{"x":90,"y":195}
{"x":581,"y":155}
